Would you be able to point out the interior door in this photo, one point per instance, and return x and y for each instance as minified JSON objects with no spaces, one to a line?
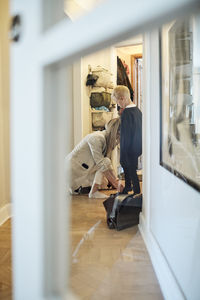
{"x":40,"y":84}
{"x":41,"y":126}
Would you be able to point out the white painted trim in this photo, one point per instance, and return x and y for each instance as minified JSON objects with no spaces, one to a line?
{"x":77,"y":101}
{"x":167,"y":281}
{"x":146,"y":134}
{"x":136,"y":40}
{"x":56,"y":132}
{"x":164,"y":274}
{"x":5,"y":213}
{"x":29,"y":143}
{"x":84,"y":39}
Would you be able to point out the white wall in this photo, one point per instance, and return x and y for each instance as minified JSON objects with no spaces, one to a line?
{"x":170,"y":222}
{"x":82,"y":117}
{"x":106,"y":60}
{"x":77,"y":103}
{"x":138,"y":39}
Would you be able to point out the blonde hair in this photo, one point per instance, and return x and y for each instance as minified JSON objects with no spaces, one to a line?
{"x":120,"y":90}
{"x":112,"y":133}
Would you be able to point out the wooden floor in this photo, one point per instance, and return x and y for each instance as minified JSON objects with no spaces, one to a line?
{"x":105,"y":264}
{"x":5,"y":262}
{"x":108,"y":264}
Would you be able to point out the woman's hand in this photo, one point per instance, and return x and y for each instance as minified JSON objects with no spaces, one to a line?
{"x":109,"y":174}
{"x":120,"y":187}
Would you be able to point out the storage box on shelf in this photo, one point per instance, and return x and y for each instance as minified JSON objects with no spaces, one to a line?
{"x":100,"y":97}
{"x":100,"y":118}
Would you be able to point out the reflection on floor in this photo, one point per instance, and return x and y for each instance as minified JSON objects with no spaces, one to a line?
{"x":107,"y":264}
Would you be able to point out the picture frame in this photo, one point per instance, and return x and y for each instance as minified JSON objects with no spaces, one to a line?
{"x":180,"y":100}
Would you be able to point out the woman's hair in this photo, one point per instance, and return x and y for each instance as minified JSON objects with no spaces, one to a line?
{"x":120,"y":90}
{"x":112,"y":133}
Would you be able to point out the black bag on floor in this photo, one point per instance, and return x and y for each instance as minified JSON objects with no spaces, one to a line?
{"x":123,"y":210}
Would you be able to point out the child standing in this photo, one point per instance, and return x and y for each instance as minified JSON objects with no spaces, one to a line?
{"x":130,"y":137}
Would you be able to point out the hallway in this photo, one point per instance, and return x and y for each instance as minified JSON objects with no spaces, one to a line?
{"x":108,"y":264}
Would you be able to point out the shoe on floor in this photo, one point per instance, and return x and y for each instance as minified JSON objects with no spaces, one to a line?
{"x":97,"y":194}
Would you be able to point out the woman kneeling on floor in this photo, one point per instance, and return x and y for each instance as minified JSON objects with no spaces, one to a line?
{"x":90,"y":161}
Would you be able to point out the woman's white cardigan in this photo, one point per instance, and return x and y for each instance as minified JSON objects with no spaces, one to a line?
{"x":87,"y":158}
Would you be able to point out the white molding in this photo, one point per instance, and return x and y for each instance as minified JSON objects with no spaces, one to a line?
{"x":5,"y":213}
{"x":136,"y":40}
{"x":149,"y":14}
{"x":146,"y":134}
{"x":167,"y":281}
{"x":77,"y":101}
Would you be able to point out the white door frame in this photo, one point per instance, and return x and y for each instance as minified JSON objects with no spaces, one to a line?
{"x":40,"y":208}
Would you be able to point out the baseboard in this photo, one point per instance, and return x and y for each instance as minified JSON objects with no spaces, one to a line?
{"x":168,"y":284}
{"x":5,"y":213}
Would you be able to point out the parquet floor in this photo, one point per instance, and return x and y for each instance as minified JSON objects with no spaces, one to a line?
{"x":105,"y":264}
{"x":108,"y":264}
{"x":5,"y":262}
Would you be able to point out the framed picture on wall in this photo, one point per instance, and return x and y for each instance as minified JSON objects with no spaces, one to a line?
{"x":180,"y":99}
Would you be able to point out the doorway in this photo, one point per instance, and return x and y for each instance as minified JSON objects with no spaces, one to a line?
{"x":130,"y":53}
{"x":131,"y":57}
